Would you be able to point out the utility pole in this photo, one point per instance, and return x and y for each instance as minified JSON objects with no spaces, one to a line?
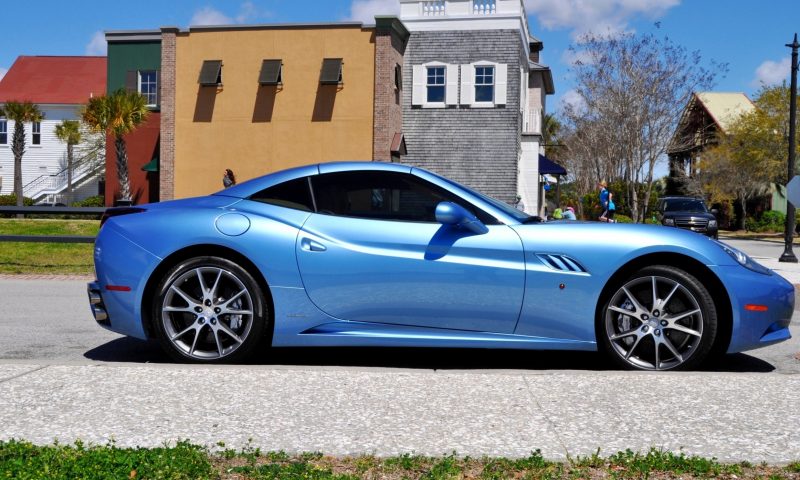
{"x":788,"y":254}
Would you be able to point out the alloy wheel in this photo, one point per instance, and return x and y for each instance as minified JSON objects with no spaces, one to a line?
{"x":207,"y":313}
{"x":654,"y":323}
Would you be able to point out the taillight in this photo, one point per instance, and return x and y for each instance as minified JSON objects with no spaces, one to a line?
{"x":117,"y":211}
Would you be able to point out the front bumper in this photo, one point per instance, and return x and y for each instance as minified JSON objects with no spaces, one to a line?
{"x":756,"y":328}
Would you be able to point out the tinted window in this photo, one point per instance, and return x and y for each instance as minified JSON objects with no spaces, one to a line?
{"x":382,"y":196}
{"x":685,"y":205}
{"x":294,"y":194}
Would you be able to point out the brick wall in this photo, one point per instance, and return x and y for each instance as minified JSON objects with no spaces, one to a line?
{"x":167,"y":154}
{"x":478,"y":147}
{"x":388,"y":110}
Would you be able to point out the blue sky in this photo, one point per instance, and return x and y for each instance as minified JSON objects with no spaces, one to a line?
{"x":749,"y":36}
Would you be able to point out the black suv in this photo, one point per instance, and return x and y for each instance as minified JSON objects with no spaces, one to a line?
{"x":689,"y":213}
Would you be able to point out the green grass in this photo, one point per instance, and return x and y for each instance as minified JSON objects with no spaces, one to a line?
{"x":25,"y":461}
{"x":53,"y":258}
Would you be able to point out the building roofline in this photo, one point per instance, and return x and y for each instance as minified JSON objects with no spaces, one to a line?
{"x":264,"y":26}
{"x":132,"y":35}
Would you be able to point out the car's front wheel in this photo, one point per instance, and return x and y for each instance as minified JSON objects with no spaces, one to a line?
{"x":209,"y":310}
{"x":660,"y":318}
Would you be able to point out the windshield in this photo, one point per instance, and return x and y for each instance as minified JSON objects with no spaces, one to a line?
{"x":684,"y":205}
{"x":518,"y":215}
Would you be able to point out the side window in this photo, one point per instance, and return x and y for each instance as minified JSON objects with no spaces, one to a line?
{"x":3,"y":131}
{"x":294,"y":194}
{"x":381,"y":196}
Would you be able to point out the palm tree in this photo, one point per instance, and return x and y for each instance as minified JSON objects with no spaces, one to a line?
{"x":20,"y":113}
{"x":69,"y":132}
{"x":118,"y":114}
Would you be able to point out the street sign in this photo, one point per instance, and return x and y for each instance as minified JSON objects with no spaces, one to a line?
{"x":793,"y":191}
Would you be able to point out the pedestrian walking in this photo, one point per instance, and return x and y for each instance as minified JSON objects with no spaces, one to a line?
{"x":603,"y":186}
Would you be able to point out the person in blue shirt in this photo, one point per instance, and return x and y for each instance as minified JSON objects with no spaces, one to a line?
{"x":603,"y":201}
{"x":569,"y":214}
{"x":612,"y":208}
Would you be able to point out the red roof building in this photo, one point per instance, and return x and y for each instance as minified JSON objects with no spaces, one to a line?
{"x":54,"y":80}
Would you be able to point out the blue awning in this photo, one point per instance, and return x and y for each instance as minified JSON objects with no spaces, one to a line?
{"x":549,"y":167}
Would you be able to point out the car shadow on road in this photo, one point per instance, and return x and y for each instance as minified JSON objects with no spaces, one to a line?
{"x":129,"y":350}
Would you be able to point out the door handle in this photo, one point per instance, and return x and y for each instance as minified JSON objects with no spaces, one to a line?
{"x":311,"y":246}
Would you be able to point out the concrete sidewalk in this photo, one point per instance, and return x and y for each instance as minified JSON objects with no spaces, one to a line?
{"x":344,"y":411}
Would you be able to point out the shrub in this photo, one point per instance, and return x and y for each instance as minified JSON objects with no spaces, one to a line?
{"x":622,"y":218}
{"x":10,"y":200}
{"x":96,"y":201}
{"x":770,"y":221}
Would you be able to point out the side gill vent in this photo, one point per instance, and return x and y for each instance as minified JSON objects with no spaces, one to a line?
{"x":562,"y":263}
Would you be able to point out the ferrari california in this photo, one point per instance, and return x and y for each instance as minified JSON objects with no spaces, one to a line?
{"x":377,"y":254}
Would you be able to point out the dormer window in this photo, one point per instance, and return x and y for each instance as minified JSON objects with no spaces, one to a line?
{"x":211,"y":73}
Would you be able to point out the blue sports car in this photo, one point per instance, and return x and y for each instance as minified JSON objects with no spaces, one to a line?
{"x":375,"y":254}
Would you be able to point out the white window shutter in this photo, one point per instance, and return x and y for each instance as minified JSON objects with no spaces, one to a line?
{"x":451,"y":94}
{"x":418,"y":93}
{"x":467,"y":84}
{"x":501,"y":84}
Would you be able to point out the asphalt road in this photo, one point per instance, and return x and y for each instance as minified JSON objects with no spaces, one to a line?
{"x":62,"y":377}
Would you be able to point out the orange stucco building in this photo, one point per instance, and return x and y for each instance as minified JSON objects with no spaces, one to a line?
{"x":257,"y":99}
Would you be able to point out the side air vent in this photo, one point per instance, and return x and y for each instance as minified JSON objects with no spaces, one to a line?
{"x":562,"y":263}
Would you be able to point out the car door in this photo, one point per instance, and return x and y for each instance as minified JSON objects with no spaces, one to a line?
{"x":373,"y":252}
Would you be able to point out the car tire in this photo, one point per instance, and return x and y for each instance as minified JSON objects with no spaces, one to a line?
{"x":209,"y":310}
{"x":675,"y":332}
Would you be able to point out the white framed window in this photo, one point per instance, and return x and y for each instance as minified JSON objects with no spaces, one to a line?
{"x":3,"y":131}
{"x":36,"y":133}
{"x":484,"y":84}
{"x":148,"y":86}
{"x":435,"y":85}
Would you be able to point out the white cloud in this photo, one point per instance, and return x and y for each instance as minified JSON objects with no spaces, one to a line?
{"x":248,"y":13}
{"x":770,"y":73}
{"x":573,"y":99}
{"x":3,"y":72}
{"x":597,"y":16}
{"x":210,"y":16}
{"x":365,"y":10}
{"x":572,"y":57}
{"x":97,"y":45}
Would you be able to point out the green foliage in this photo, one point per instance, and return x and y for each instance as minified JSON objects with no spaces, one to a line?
{"x":95,"y":201}
{"x":118,"y":114}
{"x":770,"y":221}
{"x":69,"y":132}
{"x":640,"y":465}
{"x":623,"y":219}
{"x":25,"y":461}
{"x":10,"y":200}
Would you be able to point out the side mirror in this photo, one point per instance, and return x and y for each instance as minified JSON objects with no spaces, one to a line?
{"x":715,"y":212}
{"x":449,"y":213}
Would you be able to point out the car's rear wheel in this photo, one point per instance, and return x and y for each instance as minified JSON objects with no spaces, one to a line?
{"x":209,"y":310}
{"x":660,"y":318}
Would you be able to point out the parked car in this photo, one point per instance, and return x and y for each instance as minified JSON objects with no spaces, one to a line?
{"x":377,"y":254}
{"x":689,"y":213}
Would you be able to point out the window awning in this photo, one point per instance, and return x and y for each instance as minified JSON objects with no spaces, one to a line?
{"x":211,"y":73}
{"x":398,"y":145}
{"x":270,"y":72}
{"x":331,"y":71}
{"x":549,"y":167}
{"x":151,"y":166}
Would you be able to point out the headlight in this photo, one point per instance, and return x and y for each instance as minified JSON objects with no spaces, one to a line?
{"x":712,"y":224}
{"x":744,"y":260}
{"x":670,"y":222}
